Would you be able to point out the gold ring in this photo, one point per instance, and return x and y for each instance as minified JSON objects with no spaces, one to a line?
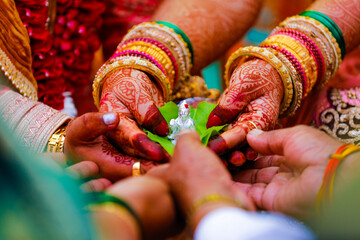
{"x":136,"y":169}
{"x":252,"y":123}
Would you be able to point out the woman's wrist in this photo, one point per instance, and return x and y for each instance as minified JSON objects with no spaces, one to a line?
{"x":347,"y":170}
{"x":207,"y":204}
{"x":341,"y":156}
{"x":203,"y":211}
{"x":113,"y":221}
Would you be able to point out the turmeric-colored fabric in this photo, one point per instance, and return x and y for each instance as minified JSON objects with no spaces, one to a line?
{"x":15,"y":50}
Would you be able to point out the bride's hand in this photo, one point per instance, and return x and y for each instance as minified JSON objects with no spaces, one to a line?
{"x":252,"y":100}
{"x":136,"y":99}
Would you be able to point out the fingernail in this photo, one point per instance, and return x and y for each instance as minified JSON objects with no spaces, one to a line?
{"x":162,"y":129}
{"x":214,"y":121}
{"x":109,"y":118}
{"x":256,"y":132}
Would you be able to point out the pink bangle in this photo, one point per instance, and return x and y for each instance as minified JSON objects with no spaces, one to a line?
{"x":162,"y":47}
{"x":139,"y":54}
{"x":311,"y":46}
{"x":297,"y":65}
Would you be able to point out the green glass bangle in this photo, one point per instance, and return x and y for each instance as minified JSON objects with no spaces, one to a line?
{"x":331,"y":25}
{"x":105,"y":198}
{"x":182,"y":34}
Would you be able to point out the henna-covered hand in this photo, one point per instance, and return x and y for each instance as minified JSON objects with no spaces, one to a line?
{"x":85,"y":141}
{"x":252,"y":98}
{"x":136,"y":99}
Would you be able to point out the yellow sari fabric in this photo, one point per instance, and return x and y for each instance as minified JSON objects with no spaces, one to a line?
{"x":15,"y":52}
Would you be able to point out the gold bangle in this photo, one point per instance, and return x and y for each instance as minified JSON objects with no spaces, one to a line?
{"x":300,"y":51}
{"x":316,"y":37}
{"x":297,"y":83}
{"x":238,"y":57}
{"x":154,"y":52}
{"x":56,"y":141}
{"x":136,"y":169}
{"x":321,"y":32}
{"x":172,"y":47}
{"x":167,"y":36}
{"x":130,"y":62}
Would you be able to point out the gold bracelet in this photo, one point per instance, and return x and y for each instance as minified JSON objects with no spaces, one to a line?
{"x":301,"y":53}
{"x":130,"y":62}
{"x":297,"y":83}
{"x":56,"y":141}
{"x":240,"y":56}
{"x":211,"y":198}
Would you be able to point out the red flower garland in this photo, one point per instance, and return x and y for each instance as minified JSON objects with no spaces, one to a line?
{"x":62,"y":60}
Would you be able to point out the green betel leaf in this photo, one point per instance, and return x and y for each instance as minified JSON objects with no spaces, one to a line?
{"x":200,"y":115}
{"x":169,"y":111}
{"x":163,"y":141}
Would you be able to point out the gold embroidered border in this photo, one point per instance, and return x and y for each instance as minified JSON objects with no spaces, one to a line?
{"x":18,"y":80}
{"x":341,"y":122}
{"x":37,"y":126}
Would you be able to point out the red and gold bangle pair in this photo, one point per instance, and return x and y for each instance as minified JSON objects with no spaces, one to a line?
{"x":326,"y":189}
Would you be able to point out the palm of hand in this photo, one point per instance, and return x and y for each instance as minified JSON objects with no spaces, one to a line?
{"x":85,"y":141}
{"x":288,"y":178}
{"x":287,"y":190}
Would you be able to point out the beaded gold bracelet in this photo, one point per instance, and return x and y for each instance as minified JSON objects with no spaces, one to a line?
{"x":130,"y":62}
{"x":241,"y":55}
{"x":56,"y":141}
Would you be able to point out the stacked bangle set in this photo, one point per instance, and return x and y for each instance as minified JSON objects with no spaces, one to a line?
{"x":306,"y":50}
{"x":161,"y":50}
